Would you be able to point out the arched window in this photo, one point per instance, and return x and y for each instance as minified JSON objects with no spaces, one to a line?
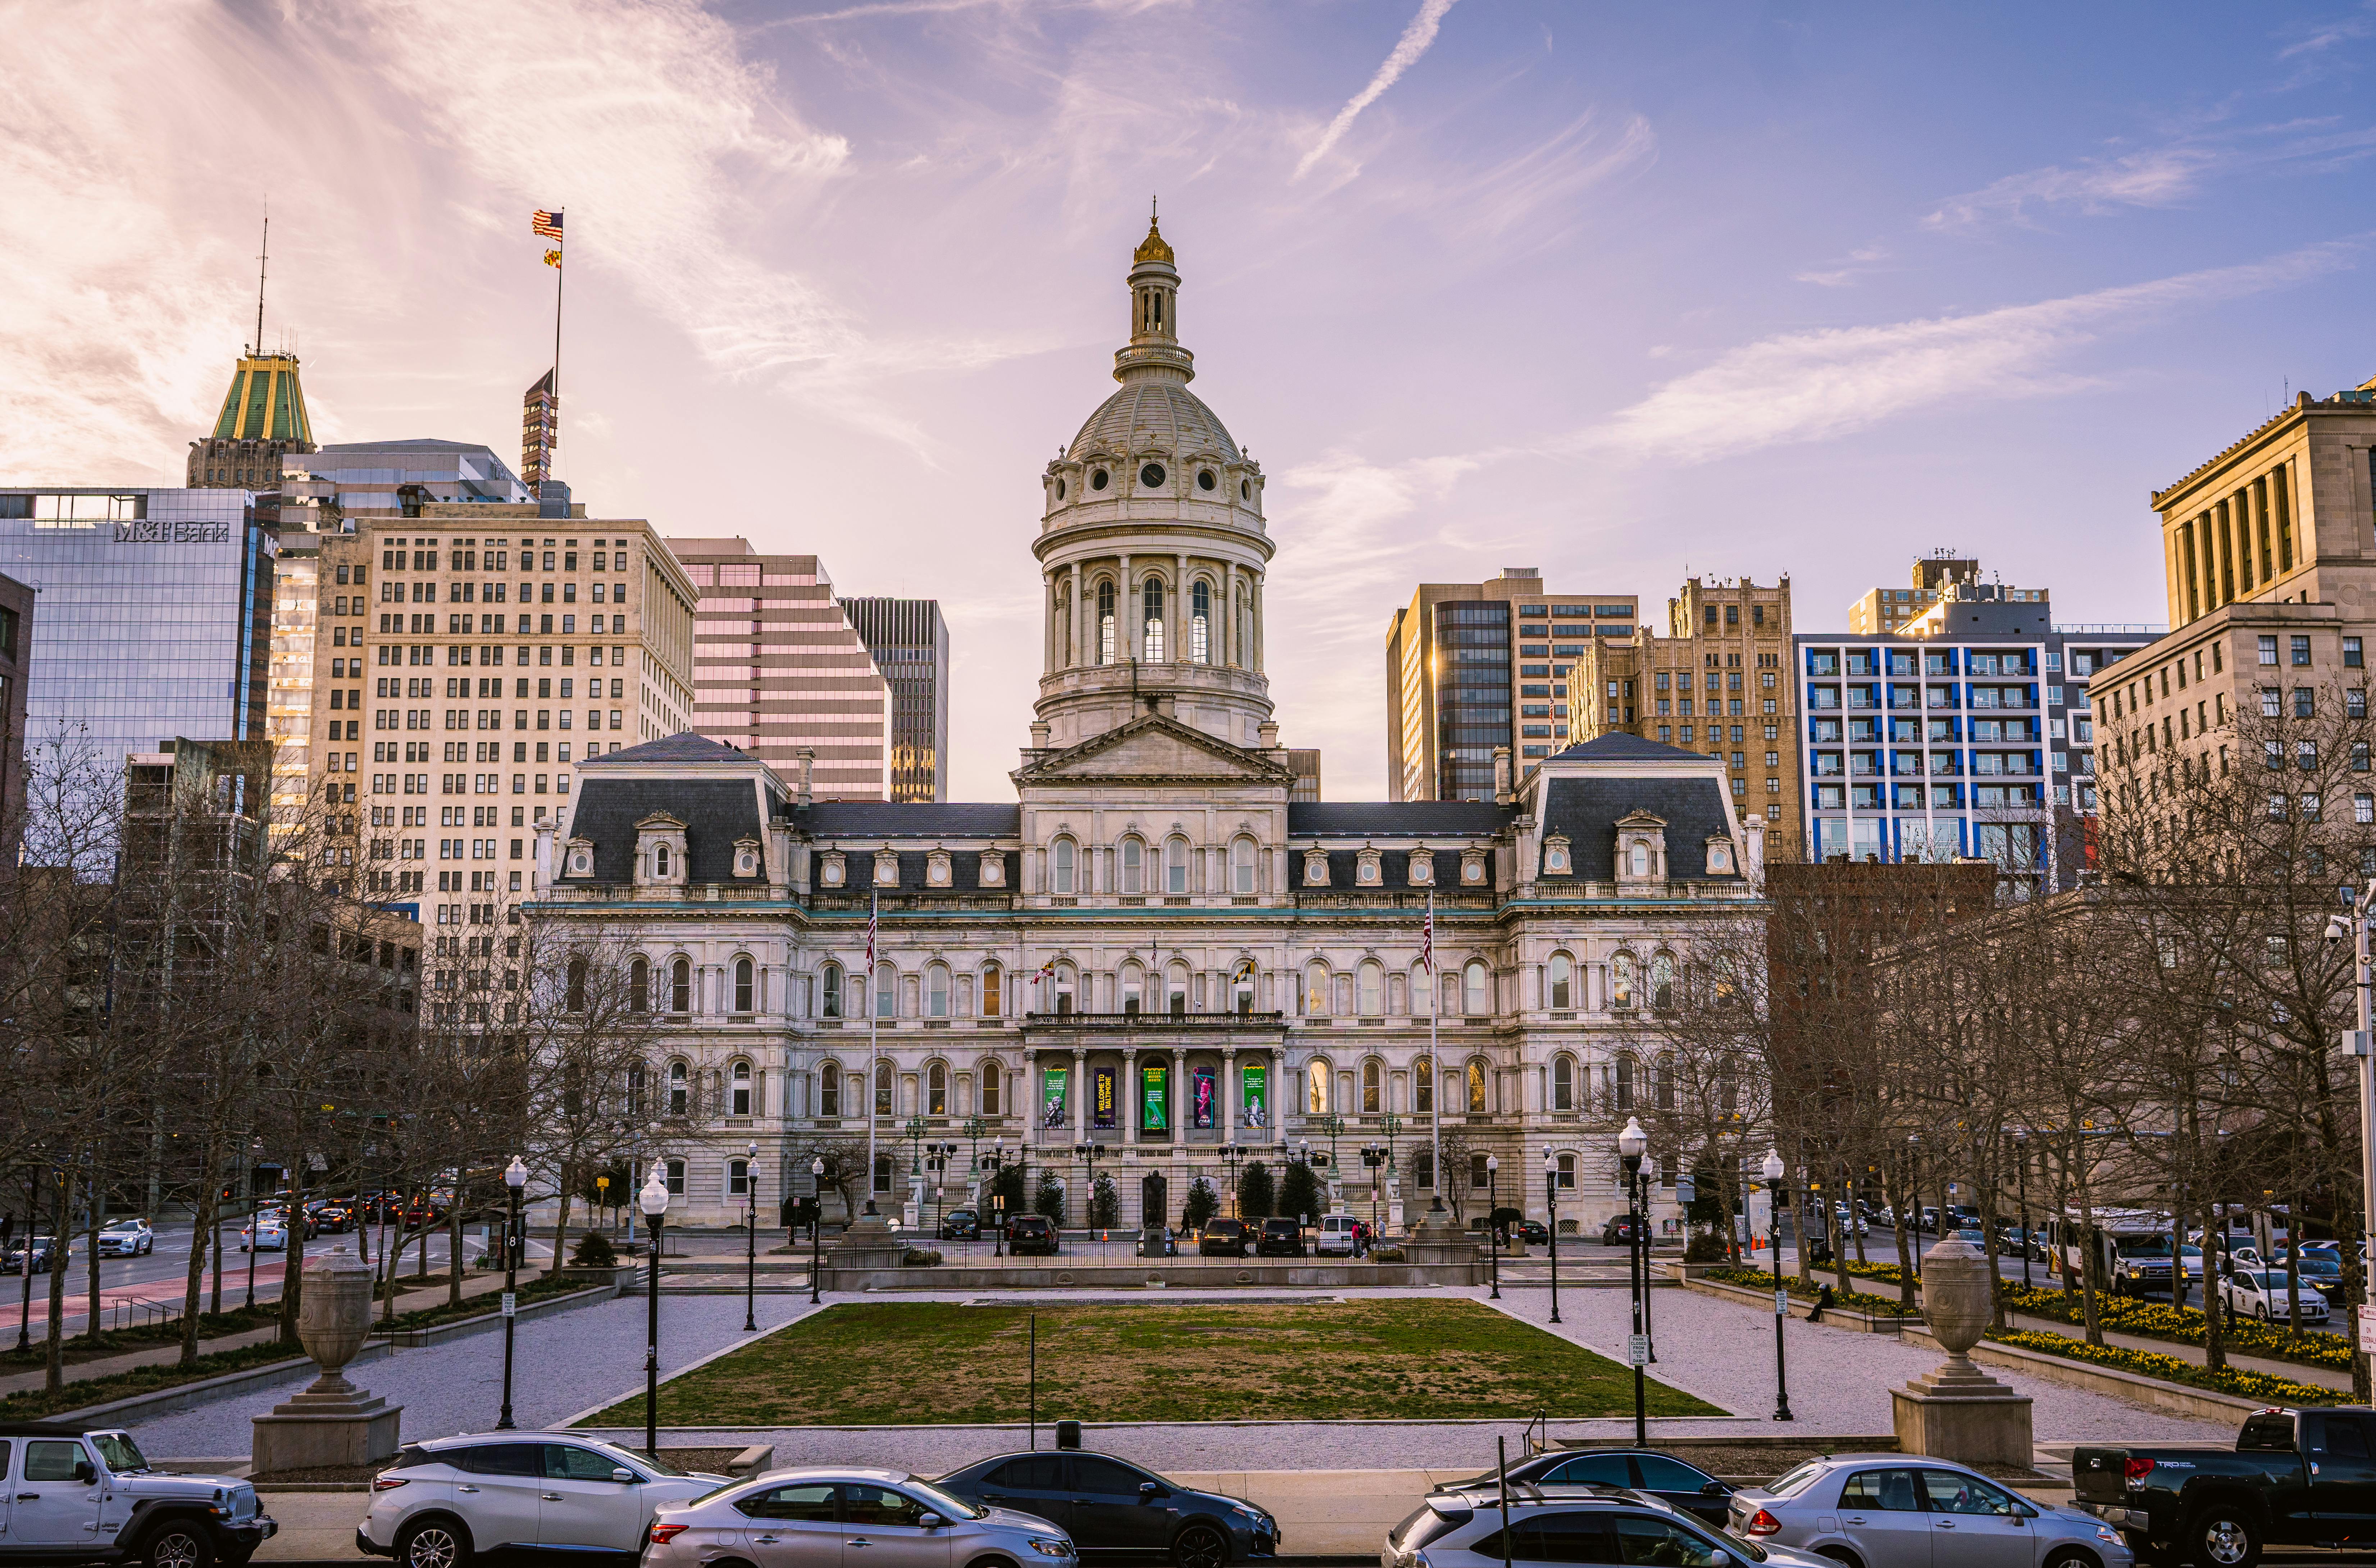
{"x":681,"y":986}
{"x":1067,"y":982}
{"x":937,"y":990}
{"x":1134,"y":994}
{"x":1372,"y":996}
{"x":659,"y":861}
{"x":1242,"y":990}
{"x":882,"y":1089}
{"x":1063,"y":860}
{"x":1318,"y":1078}
{"x":1175,"y":865}
{"x":881,"y":1171}
{"x":936,"y":1090}
{"x":1105,"y":622}
{"x":635,"y":1091}
{"x":1665,"y":1083}
{"x":1200,"y":622}
{"x":1473,"y":990}
{"x":576,"y":1001}
{"x":1422,"y":992}
{"x":1152,"y":622}
{"x":1315,"y":990}
{"x":1638,"y":859}
{"x":744,"y":998}
{"x":993,"y":995}
{"x":1134,"y":866}
{"x":1620,"y":980}
{"x":1423,"y":1087}
{"x":1625,"y":1084}
{"x":1476,"y":1086}
{"x":833,"y":981}
{"x":639,"y":985}
{"x":1064,"y":630}
{"x":1374,"y":1086}
{"x":1563,"y":1083}
{"x":829,"y":1090}
{"x":991,"y":1078}
{"x":1175,"y":990}
{"x":1662,"y":981}
{"x":1562,"y":976}
{"x":1241,"y":866}
{"x":741,"y":1101}
{"x":1567,"y":1170}
{"x":680,"y":1090}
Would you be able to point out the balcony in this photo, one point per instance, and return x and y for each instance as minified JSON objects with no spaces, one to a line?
{"x":1210,"y":1023}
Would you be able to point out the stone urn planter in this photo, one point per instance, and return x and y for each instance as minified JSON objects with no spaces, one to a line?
{"x":332,"y":1422}
{"x":1959,"y":1412}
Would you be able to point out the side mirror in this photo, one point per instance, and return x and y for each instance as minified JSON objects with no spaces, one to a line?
{"x":85,"y":1471}
{"x":1719,"y":1559}
{"x":1150,"y":1491}
{"x":624,"y":1476}
{"x":1715,"y":1488}
{"x":930,"y":1521}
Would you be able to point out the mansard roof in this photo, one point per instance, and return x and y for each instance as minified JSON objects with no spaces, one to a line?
{"x":1395,"y":819}
{"x":683,"y":746}
{"x":1617,"y":746}
{"x":715,"y":812}
{"x":1587,"y":810}
{"x":848,"y":820}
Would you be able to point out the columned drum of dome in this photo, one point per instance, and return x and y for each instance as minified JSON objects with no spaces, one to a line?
{"x":1153,"y":547}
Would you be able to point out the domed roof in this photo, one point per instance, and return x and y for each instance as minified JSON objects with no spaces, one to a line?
{"x":1155,"y":413}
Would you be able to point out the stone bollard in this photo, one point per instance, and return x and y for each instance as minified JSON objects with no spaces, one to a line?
{"x":1959,"y":1412}
{"x":332,"y":1422}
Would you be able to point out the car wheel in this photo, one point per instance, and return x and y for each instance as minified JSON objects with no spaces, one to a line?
{"x":2261,"y":1312}
{"x":432,"y":1543}
{"x":179,"y":1543}
{"x":991,"y":1563}
{"x":1201,"y":1546}
{"x":1841,"y":1554}
{"x":2071,"y":1557}
{"x":2221,"y":1538}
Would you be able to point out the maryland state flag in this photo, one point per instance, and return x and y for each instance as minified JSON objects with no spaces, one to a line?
{"x":553,"y":258}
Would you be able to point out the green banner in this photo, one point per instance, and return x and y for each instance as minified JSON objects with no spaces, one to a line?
{"x":1154,"y":1112}
{"x":1051,"y":1105}
{"x":1257,"y":1102}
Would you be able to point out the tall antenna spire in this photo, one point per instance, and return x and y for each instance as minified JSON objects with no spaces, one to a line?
{"x":260,"y":255}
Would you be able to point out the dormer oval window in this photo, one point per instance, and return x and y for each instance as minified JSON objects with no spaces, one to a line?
{"x":936,"y":869}
{"x":994,"y":869}
{"x":830,"y":872}
{"x":580,"y":863}
{"x":1098,"y":478}
{"x":746,"y":862}
{"x":1204,"y":480}
{"x":1555,"y":857}
{"x":1719,"y":858}
{"x":1423,"y":869}
{"x":1472,"y":869}
{"x":886,"y":869}
{"x":1366,"y":870}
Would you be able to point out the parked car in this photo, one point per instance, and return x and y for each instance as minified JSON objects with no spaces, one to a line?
{"x":47,"y":1253}
{"x":266,"y":1232}
{"x":2141,"y":1266}
{"x":1113,"y":1511}
{"x":1845,"y":1220}
{"x":2291,"y":1478}
{"x":442,"y":1500}
{"x":1618,"y":1231}
{"x":797,"y":1518}
{"x":1031,"y":1233}
{"x":961,"y":1225}
{"x":1222,"y":1239}
{"x":1883,"y":1510}
{"x":1463,"y":1530}
{"x":1279,"y":1239}
{"x":1334,"y":1236}
{"x":1533,"y":1232}
{"x":2323,"y":1271}
{"x":2262,"y":1293}
{"x":87,"y":1495}
{"x":126,"y":1238}
{"x":1645,"y":1470}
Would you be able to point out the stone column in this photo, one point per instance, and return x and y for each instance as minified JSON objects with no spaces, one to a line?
{"x":1183,"y":1108}
{"x":1228,"y":1094}
{"x":1125,"y":617}
{"x":1081,"y":623}
{"x":1230,"y":656}
{"x":1080,"y":1095}
{"x":1180,"y":653}
{"x":1131,"y":1095}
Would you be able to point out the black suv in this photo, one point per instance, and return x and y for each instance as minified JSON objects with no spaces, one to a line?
{"x":961,"y":1225}
{"x":1222,"y":1239}
{"x":1279,"y":1239}
{"x":1116,"y":1511}
{"x":1618,"y":1232}
{"x":1031,"y":1233}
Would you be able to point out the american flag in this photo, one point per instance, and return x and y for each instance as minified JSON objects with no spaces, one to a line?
{"x":547,"y":224}
{"x":1427,"y":938}
{"x":874,"y":902}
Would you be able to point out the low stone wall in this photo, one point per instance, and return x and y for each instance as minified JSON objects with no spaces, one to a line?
{"x":1152,"y":1274}
{"x":2177,"y":1399}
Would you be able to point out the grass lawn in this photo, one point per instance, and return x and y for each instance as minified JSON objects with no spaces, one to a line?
{"x":898,"y":1363}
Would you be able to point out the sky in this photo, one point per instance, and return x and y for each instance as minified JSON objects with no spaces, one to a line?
{"x":1623,"y":292}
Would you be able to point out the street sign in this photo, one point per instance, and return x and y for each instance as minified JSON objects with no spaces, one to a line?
{"x":1781,"y":1303}
{"x":2368,"y":1330}
{"x":511,"y":1304}
{"x":2356,"y":1042}
{"x":1637,"y":1350}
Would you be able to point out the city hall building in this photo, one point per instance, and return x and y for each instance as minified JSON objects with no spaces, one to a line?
{"x":1152,"y":949}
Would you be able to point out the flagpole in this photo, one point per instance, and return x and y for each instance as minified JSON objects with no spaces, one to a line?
{"x":874,"y":1016}
{"x":553,"y":446}
{"x":1434,"y":1065}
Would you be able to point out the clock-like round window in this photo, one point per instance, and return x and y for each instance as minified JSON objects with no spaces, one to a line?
{"x":1151,"y":476}
{"x":1204,"y":480}
{"x":1097,"y":479}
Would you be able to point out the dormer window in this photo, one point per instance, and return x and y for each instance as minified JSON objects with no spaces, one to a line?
{"x":1423,"y":868}
{"x":1472,"y":868}
{"x":1556,"y":861}
{"x":1367,"y":870}
{"x":660,"y":851}
{"x":660,"y":862}
{"x":1641,"y":847}
{"x":1315,"y":868}
{"x":831,"y":871}
{"x":887,"y":868}
{"x":746,"y":857}
{"x":936,"y":869}
{"x":1719,"y":857}
{"x":580,"y":858}
{"x":993,"y":869}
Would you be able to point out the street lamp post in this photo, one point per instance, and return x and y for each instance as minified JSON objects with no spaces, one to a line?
{"x":1550,"y":1201}
{"x":2362,"y":1044}
{"x":515,"y":1185}
{"x":1374,"y":1157}
{"x":1091,"y":1153}
{"x":1631,"y":1144}
{"x":2021,"y":1178}
{"x":654,"y":1201}
{"x":1914,"y":1196}
{"x":751,"y":1258}
{"x":816,"y":1233}
{"x":1493,"y":1231}
{"x":1773,"y":1172}
{"x":995,"y":1162}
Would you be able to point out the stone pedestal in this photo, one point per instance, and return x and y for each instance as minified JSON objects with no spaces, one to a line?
{"x":1959,"y":1412}
{"x":869,"y":1244}
{"x":1436,"y":1242}
{"x":1152,"y":1242}
{"x":332,"y":1422}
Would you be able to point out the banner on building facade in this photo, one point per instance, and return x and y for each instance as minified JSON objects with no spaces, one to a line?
{"x":1154,"y":1115}
{"x":1102,"y":1098}
{"x":1201,"y":1101}
{"x":1052,"y":1106}
{"x":1257,"y":1097}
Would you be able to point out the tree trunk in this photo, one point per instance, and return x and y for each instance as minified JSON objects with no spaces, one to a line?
{"x":2215,"y":1317}
{"x":57,"y":1343}
{"x":1899,"y":1202}
{"x":2293,"y":1268}
{"x":454,"y":1249}
{"x":2088,"y":1266}
{"x":195,"y":1279}
{"x":92,"y":1222}
{"x":292,"y":1267}
{"x":561,"y":1224}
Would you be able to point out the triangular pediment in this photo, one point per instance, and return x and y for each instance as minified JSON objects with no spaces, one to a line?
{"x":1151,"y":749}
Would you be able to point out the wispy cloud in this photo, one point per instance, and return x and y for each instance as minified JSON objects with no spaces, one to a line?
{"x":1408,"y":49}
{"x":2152,"y":178}
{"x":2319,"y":37}
{"x":1855,"y":265}
{"x":1817,"y":386}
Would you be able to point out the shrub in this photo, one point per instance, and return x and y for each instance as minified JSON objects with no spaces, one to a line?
{"x":921,"y":1257}
{"x":1200,"y":1206}
{"x":2185,"y":1325}
{"x":2169,"y":1368}
{"x":593,"y":1251}
{"x":1854,"y":1300}
{"x":1705,"y":1247}
{"x":1049,"y":1199}
{"x":1105,"y":1202}
{"x":1299,"y":1194}
{"x":1257,"y":1194}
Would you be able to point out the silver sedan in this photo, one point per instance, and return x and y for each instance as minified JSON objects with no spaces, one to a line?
{"x":1884,"y":1510}
{"x":826,"y":1517}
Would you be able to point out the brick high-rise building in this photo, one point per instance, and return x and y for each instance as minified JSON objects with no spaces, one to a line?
{"x":1934,"y":577}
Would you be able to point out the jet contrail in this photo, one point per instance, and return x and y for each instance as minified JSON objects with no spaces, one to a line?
{"x":1408,"y":49}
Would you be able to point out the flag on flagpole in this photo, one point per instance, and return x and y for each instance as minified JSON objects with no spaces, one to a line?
{"x":1427,"y":938}
{"x":1046,"y":970}
{"x":874,"y":902}
{"x":546,"y":224}
{"x":552,"y":258}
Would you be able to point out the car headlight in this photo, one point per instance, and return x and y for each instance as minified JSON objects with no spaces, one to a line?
{"x":2110,"y":1535}
{"x":1052,"y":1547}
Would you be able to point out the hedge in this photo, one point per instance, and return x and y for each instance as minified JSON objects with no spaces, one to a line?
{"x":1854,"y":1300}
{"x":2169,"y":1368}
{"x":2184,"y":1326}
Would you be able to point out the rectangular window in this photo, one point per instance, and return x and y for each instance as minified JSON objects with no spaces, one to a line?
{"x":2305,"y":703}
{"x":2271,"y":702}
{"x":2301,"y":652}
{"x":2268,"y":650}
{"x":2351,"y":657}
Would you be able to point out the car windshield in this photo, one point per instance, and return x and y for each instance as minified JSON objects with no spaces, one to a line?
{"x":121,"y":1225}
{"x":2313,"y":1263}
{"x":646,"y":1460}
{"x":942,"y":1503}
{"x":2145,"y":1246}
{"x":123,"y":1454}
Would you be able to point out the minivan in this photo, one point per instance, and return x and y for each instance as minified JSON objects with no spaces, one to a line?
{"x":1335,"y":1237}
{"x":1031,"y":1233}
{"x":1222,"y":1239}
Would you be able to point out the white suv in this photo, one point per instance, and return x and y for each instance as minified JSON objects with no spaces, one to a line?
{"x":441,"y":1501}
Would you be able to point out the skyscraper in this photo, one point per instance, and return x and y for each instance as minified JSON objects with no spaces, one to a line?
{"x":263,"y":420}
{"x":779,"y":671}
{"x":910,"y":644}
{"x":540,"y":428}
{"x":1473,"y":667}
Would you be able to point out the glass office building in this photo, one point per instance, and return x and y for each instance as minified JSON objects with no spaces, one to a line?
{"x":154,"y":615}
